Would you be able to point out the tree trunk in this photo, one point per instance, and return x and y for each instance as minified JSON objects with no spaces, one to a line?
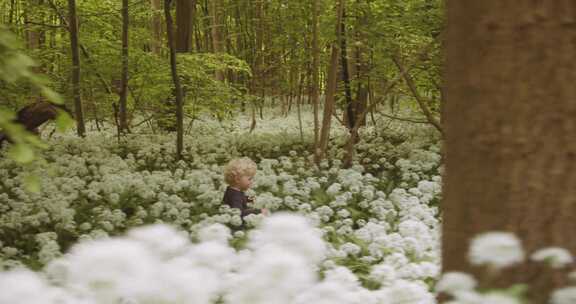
{"x":176,"y":80}
{"x":206,"y":23}
{"x":258,"y":53}
{"x":299,"y":104}
{"x":315,"y":73}
{"x":216,"y":25}
{"x":184,"y":11}
{"x":12,"y":11}
{"x":421,"y":102}
{"x":156,"y":26}
{"x":80,"y":127}
{"x":253,"y":124}
{"x":123,"y":120}
{"x":362,"y":64}
{"x":330,"y":87}
{"x":509,"y":125}
{"x":31,"y":20}
{"x":350,"y":105}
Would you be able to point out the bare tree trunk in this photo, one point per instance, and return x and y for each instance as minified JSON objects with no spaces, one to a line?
{"x":290,"y":98}
{"x":79,"y":113}
{"x":350,"y":105}
{"x":216,"y":30}
{"x":509,"y":133}
{"x":208,"y":47}
{"x":363,"y":65}
{"x":330,"y":87}
{"x":262,"y":102}
{"x":123,"y":120}
{"x":176,"y":80}
{"x":315,"y":73}
{"x":31,"y":19}
{"x":12,"y":11}
{"x":184,"y":11}
{"x":156,"y":26}
{"x":298,"y":104}
{"x":253,"y":124}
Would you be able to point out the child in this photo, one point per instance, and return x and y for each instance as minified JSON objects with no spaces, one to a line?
{"x":238,"y":174}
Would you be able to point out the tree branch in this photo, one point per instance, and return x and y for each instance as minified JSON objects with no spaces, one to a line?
{"x":421,"y":102}
{"x":393,"y":82}
{"x":413,"y":120}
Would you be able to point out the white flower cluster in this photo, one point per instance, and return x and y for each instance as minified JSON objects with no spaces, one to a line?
{"x":498,"y":250}
{"x":383,"y":228}
{"x":158,"y":264}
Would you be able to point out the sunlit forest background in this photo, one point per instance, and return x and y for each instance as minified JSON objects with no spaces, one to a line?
{"x":118,"y":118}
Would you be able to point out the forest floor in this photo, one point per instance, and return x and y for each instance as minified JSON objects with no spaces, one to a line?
{"x":379,"y":220}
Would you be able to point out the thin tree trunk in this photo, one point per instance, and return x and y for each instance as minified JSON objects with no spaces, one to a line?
{"x":350,"y":105}
{"x":262,"y":103}
{"x":31,"y":18}
{"x":259,"y":43}
{"x":330,"y":87}
{"x":79,"y":113}
{"x":176,"y":80}
{"x":289,"y":108}
{"x":123,"y":120}
{"x":315,"y":73}
{"x":12,"y":10}
{"x":299,"y":103}
{"x":216,"y":30}
{"x":253,"y":124}
{"x":421,"y":102}
{"x":207,"y":35}
{"x":362,"y":65}
{"x":354,"y":134}
{"x":509,"y":133}
{"x":156,"y":26}
{"x":83,"y":49}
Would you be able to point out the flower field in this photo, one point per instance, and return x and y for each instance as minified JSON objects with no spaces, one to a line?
{"x":123,"y":221}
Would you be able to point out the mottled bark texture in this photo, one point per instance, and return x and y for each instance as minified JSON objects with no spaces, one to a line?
{"x":510,"y":126}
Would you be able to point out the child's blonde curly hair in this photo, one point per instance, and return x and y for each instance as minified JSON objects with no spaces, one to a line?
{"x":239,"y":167}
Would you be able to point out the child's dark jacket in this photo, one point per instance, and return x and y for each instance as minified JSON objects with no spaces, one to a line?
{"x":238,"y":199}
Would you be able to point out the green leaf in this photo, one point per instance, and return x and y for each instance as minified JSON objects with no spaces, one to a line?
{"x":63,"y":121}
{"x":21,"y":153}
{"x":32,"y":183}
{"x":34,"y":140}
{"x":518,"y":290}
{"x":51,"y":95}
{"x":6,"y":115}
{"x":16,"y":66}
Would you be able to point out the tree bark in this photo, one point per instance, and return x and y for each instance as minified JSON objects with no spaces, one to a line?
{"x":331,"y":86}
{"x":315,"y":73}
{"x":350,"y":105}
{"x":156,"y":26}
{"x":79,"y":113}
{"x":184,"y":11}
{"x":123,"y":120}
{"x":299,"y":109}
{"x":510,"y":154}
{"x":176,"y":80}
{"x":31,"y":19}
{"x":216,"y":30}
{"x":362,"y":63}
